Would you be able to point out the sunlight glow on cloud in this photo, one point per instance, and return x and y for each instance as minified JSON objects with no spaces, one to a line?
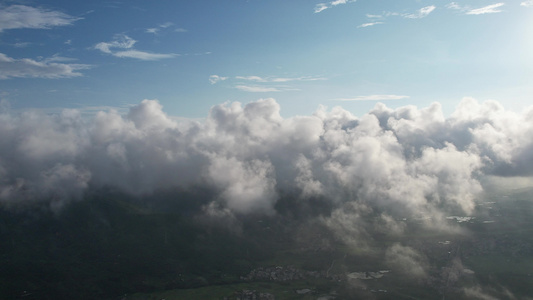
{"x":22,"y":16}
{"x":29,"y":68}
{"x":125,"y":42}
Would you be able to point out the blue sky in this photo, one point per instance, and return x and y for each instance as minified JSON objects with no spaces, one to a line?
{"x":192,"y":55}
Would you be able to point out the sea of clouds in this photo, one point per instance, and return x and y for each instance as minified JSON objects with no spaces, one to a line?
{"x":408,"y":160}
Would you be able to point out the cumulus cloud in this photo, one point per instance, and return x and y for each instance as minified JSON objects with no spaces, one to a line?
{"x":22,"y":16}
{"x":29,"y":68}
{"x":127,"y":43}
{"x":383,"y":166}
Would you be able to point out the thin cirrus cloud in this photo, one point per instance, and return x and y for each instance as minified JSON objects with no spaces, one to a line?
{"x":323,"y":6}
{"x":213,"y":79}
{"x":257,"y":89}
{"x":278,"y":79}
{"x":421,"y":13}
{"x":29,"y":68}
{"x":528,"y":3}
{"x":373,"y":98}
{"x":369,"y":24}
{"x":125,"y":42}
{"x":489,"y":9}
{"x":22,"y":16}
{"x":156,"y":30}
{"x":260,"y":84}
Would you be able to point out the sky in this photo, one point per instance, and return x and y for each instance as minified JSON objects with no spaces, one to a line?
{"x":382,"y":111}
{"x":193,"y":55}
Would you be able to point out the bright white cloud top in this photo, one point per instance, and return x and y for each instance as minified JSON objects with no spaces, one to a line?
{"x":416,"y":158}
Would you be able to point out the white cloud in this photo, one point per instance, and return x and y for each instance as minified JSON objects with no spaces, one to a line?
{"x":257,"y":89}
{"x":369,"y":24}
{"x":528,"y":3}
{"x":454,"y":5}
{"x":22,"y":16}
{"x":373,"y":98}
{"x":215,"y":78}
{"x":489,"y":9}
{"x":268,"y":84}
{"x":323,"y":6}
{"x":155,"y":30}
{"x":29,"y":68}
{"x":416,"y":161}
{"x":121,"y":41}
{"x":422,"y":13}
{"x":278,"y":79}
{"x":125,"y":42}
{"x":142,"y":55}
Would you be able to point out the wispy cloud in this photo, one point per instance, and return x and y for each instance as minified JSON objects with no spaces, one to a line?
{"x":323,"y":6}
{"x":215,"y":78}
{"x":21,"y":44}
{"x":369,"y":24}
{"x":155,"y":30}
{"x":373,"y":98}
{"x":257,"y":89}
{"x":29,"y":68}
{"x":528,"y":3}
{"x":489,"y":9}
{"x":125,"y":42}
{"x":259,"y":84}
{"x":454,"y":5}
{"x":421,"y":13}
{"x":22,"y":16}
{"x":278,"y":79}
{"x":375,"y":19}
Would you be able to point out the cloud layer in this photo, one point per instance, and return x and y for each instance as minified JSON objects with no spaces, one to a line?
{"x":393,"y":162}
